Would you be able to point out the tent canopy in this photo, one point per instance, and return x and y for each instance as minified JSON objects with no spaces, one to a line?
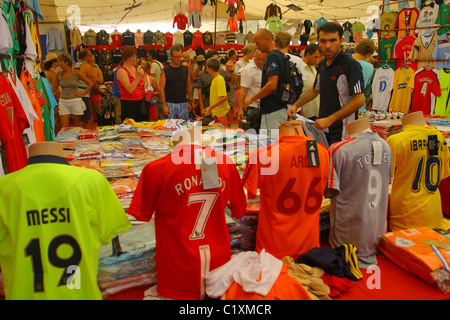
{"x":117,"y":13}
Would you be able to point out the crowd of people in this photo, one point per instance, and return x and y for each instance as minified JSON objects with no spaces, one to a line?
{"x":232,"y":88}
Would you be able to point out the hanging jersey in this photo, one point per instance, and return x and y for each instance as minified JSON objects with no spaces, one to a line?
{"x":415,"y":200}
{"x":8,"y":10}
{"x":387,"y":22}
{"x":402,"y":90}
{"x":423,"y":48}
{"x":443,"y":101}
{"x":402,"y":50}
{"x":426,"y":89}
{"x":358,"y":186}
{"x":6,"y":41}
{"x":407,"y":18}
{"x":37,"y":102}
{"x":192,"y":237}
{"x":386,"y":50}
{"x":442,"y":51}
{"x":443,"y":18}
{"x":51,"y":229}
{"x":382,"y":86}
{"x":427,"y":18}
{"x":291,"y":193}
{"x":13,"y":123}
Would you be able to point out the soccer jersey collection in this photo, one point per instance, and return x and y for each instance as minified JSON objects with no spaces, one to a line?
{"x":58,"y":214}
{"x":415,"y":44}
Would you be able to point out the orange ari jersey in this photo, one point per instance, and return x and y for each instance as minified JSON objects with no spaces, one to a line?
{"x":291,"y":194}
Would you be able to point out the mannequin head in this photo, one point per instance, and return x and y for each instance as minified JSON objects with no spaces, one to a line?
{"x":415,"y":118}
{"x":291,"y":128}
{"x":46,"y":148}
{"x":358,"y":126}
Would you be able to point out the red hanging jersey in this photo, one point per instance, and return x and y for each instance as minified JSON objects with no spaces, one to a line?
{"x":291,"y":193}
{"x":402,"y":50}
{"x":181,"y":20}
{"x":192,"y":237}
{"x":13,"y":121}
{"x":426,"y":88}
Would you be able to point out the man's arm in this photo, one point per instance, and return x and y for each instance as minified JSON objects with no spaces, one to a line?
{"x":269,"y":87}
{"x":304,"y":99}
{"x":354,"y":104}
{"x":162,"y":94}
{"x":242,"y":96}
{"x":89,"y":72}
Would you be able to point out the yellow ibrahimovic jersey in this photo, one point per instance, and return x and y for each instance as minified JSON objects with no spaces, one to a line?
{"x":415,"y":199}
{"x":53,"y":219}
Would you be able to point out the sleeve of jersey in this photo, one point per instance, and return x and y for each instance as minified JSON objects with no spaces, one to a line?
{"x":250,"y":178}
{"x":142,"y":204}
{"x":238,"y":202}
{"x":333,"y":186}
{"x":111,"y":216}
{"x":355,"y":78}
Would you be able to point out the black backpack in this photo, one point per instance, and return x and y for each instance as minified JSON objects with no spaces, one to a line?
{"x":290,"y":85}
{"x":106,"y":116}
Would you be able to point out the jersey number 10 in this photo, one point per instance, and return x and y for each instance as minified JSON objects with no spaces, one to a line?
{"x":431,"y":168}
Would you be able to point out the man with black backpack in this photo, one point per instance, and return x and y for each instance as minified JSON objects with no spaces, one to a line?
{"x":273,"y":109}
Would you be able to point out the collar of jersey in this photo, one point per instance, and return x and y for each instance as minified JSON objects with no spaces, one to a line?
{"x":47,"y":159}
{"x":336,"y":59}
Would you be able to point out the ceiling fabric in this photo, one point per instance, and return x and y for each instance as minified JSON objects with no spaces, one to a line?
{"x":116,"y":13}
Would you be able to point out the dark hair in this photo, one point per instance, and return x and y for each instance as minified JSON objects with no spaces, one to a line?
{"x":331,"y":27}
{"x":312,"y":48}
{"x":152,"y":53}
{"x":176,"y":47}
{"x":48,"y":64}
{"x":210,"y":54}
{"x":83,"y":53}
{"x":213,"y":63}
{"x":127,"y":52}
{"x":231,"y":53}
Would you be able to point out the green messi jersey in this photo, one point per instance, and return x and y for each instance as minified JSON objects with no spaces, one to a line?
{"x":54,"y":217}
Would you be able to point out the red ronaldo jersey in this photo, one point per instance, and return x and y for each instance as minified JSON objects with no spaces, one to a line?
{"x":192,"y":237}
{"x":291,"y":193}
{"x":426,"y":88}
{"x":13,"y":121}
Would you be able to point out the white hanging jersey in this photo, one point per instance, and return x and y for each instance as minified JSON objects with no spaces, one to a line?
{"x":5,"y":40}
{"x":427,"y":17}
{"x":358,"y":187}
{"x":382,"y":85}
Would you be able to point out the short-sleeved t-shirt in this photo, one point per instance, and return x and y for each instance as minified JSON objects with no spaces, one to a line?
{"x":218,"y":89}
{"x":337,"y":83}
{"x":426,"y":89}
{"x":192,"y":237}
{"x":53,"y":219}
{"x":358,"y":187}
{"x":273,"y":66}
{"x":288,"y":222}
{"x":402,"y":90}
{"x":415,"y":199}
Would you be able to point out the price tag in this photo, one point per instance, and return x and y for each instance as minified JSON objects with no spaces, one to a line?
{"x":433,"y":149}
{"x":313,"y":153}
{"x":210,"y":175}
{"x":377,"y":152}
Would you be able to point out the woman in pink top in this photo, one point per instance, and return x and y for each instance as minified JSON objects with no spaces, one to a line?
{"x":131,"y":82}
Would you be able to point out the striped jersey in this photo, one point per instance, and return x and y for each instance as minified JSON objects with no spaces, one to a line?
{"x":358,"y":187}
